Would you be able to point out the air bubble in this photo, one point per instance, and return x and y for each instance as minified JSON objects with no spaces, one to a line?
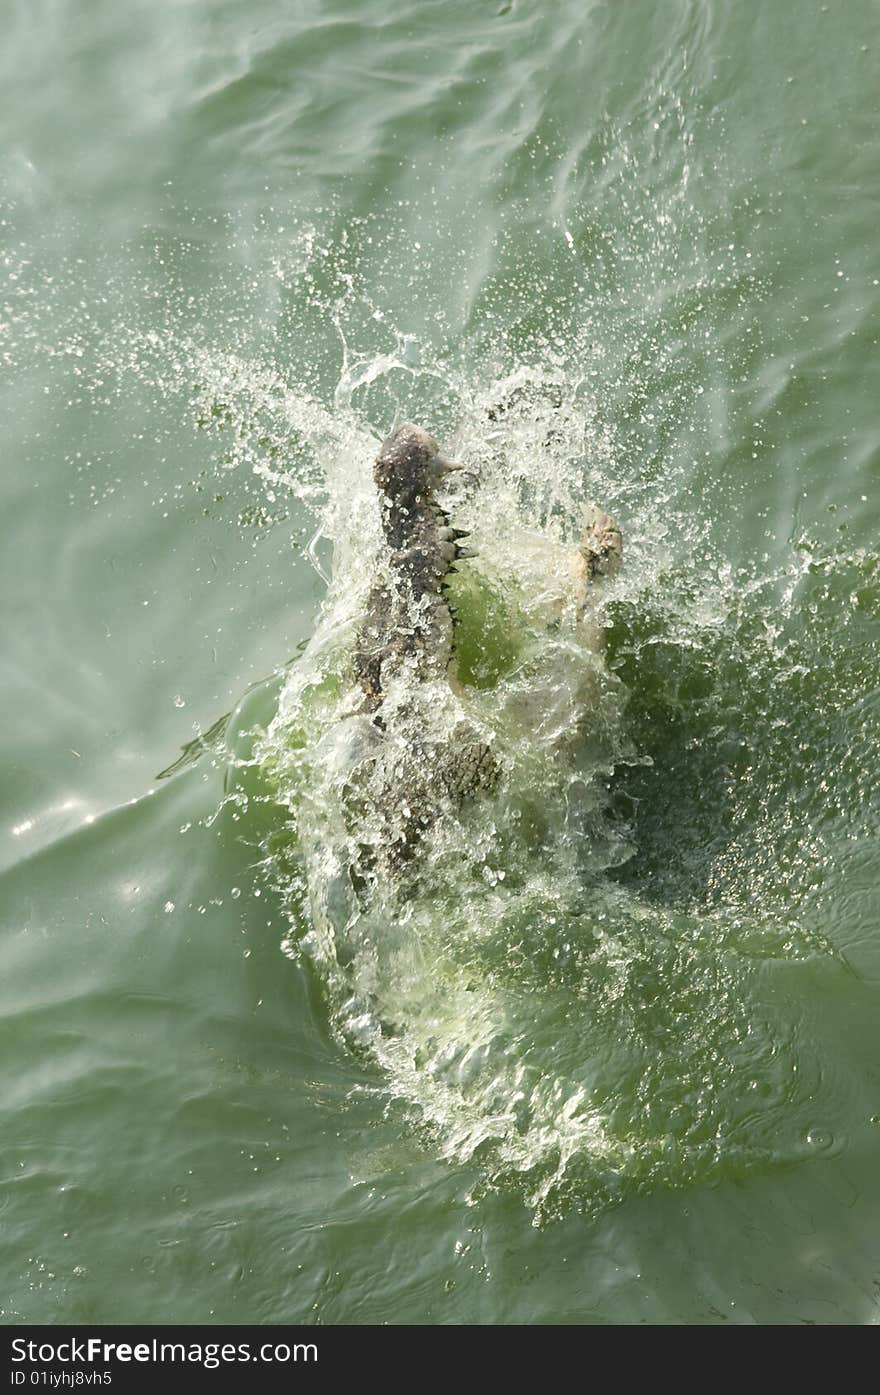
{"x":820,"y":1139}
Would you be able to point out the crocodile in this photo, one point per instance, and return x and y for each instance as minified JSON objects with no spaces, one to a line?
{"x":405,"y":654}
{"x":410,"y":623}
{"x":442,"y":817}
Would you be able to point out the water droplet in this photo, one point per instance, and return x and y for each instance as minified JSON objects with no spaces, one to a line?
{"x":179,"y":701}
{"x":820,"y":1138}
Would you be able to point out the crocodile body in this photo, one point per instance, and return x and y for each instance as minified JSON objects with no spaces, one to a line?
{"x":441,"y":823}
{"x":430,"y":757}
{"x":406,"y":644}
{"x":409,"y":623}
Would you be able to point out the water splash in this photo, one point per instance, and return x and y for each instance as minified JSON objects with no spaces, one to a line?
{"x":538,"y":1011}
{"x":580,"y":994}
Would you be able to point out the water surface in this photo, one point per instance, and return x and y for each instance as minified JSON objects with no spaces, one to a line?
{"x":237,"y":243}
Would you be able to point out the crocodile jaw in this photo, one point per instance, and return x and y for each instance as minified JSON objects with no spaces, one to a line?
{"x":409,"y":623}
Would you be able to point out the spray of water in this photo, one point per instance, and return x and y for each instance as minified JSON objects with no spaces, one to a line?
{"x":571,"y":987}
{"x":535,"y":1011}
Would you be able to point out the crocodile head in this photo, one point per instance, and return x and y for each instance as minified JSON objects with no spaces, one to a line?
{"x":408,"y":469}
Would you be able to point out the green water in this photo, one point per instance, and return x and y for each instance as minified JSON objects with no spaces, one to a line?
{"x":238,"y":241}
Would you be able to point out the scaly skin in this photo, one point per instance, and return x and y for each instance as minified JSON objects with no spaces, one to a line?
{"x":409,"y":631}
{"x":409,"y":619}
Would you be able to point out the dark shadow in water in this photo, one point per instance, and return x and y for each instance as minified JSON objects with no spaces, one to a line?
{"x":679,"y":808}
{"x":761,"y":725}
{"x":697,"y":713}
